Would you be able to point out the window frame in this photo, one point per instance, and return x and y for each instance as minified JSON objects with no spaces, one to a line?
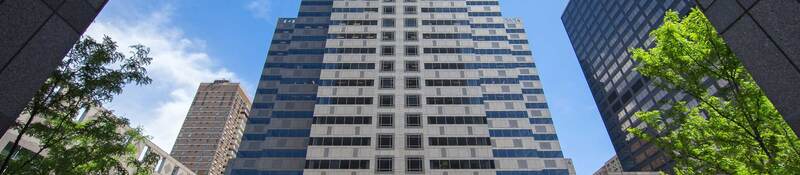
{"x":381,"y":119}
{"x":419,"y":143}
{"x":381,"y":98}
{"x":418,"y":102}
{"x":380,"y":145}
{"x":414,"y":115}
{"x":383,"y":85}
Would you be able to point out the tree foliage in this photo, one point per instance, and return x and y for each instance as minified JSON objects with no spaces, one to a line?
{"x":90,"y":75}
{"x":733,"y":130}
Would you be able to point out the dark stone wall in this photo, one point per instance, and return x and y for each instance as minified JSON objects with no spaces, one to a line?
{"x":34,"y":37}
{"x":765,"y":35}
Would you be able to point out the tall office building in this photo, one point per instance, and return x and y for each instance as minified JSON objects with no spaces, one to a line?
{"x":601,"y":33}
{"x":400,"y":86}
{"x":213,"y":127}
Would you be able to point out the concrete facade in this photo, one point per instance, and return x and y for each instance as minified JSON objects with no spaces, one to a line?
{"x":36,"y":34}
{"x":213,"y":127}
{"x":765,"y":35}
{"x":400,"y":87}
{"x":166,"y":165}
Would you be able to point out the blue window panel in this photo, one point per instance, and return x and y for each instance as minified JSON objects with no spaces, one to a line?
{"x":526,"y":153}
{"x":487,"y":25}
{"x":485,"y":14}
{"x":492,"y":51}
{"x":515,"y":30}
{"x":297,"y":97}
{"x":541,"y":120}
{"x":306,"y":51}
{"x":528,"y":77}
{"x":263,"y":105}
{"x":258,"y":172}
{"x":506,"y":114}
{"x":273,"y":153}
{"x":288,"y":133}
{"x":271,"y":77}
{"x":502,"y":97}
{"x":316,"y":3}
{"x":542,"y":172}
{"x":314,"y":14}
{"x":292,"y":114}
{"x":482,"y":3}
{"x":489,"y":38}
{"x":310,"y":26}
{"x":309,"y":38}
{"x":281,"y":41}
{"x":267,"y":91}
{"x":348,"y":66}
{"x":284,"y":30}
{"x":510,"y":133}
{"x":299,"y":80}
{"x":258,"y":120}
{"x":294,"y":65}
{"x":273,"y":53}
{"x":518,"y":41}
{"x":545,"y":137}
{"x":499,"y":81}
{"x":535,"y":105}
{"x":443,"y":10}
{"x":348,"y":10}
{"x":532,"y":91}
{"x":521,"y":53}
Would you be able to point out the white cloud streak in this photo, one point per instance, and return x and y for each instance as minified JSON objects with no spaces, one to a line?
{"x":180,"y":64}
{"x":260,"y":9}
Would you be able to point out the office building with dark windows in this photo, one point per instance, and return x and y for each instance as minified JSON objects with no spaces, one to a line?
{"x":601,"y":33}
{"x":441,"y":87}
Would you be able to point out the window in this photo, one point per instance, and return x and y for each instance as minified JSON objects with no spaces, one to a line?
{"x":410,"y":22}
{"x":459,"y":141}
{"x":342,"y":120}
{"x":387,"y":50}
{"x":411,"y":36}
{"x":451,"y":83}
{"x":387,"y":66}
{"x":413,"y":120}
{"x":388,"y":0}
{"x":414,"y":141}
{"x":339,"y":141}
{"x":454,"y":100}
{"x":345,"y":100}
{"x":412,"y":100}
{"x":388,"y":22}
{"x":456,"y":120}
{"x":462,"y":164}
{"x":385,"y":120}
{"x":385,"y":141}
{"x":387,"y":100}
{"x":412,"y":82}
{"x":412,"y":50}
{"x":387,"y":83}
{"x":352,"y":36}
{"x":414,"y":164}
{"x":337,"y":164}
{"x":346,"y":82}
{"x":346,"y":65}
{"x":384,"y":164}
{"x":388,"y":9}
{"x":349,"y":50}
{"x":412,"y":66}
{"x":410,"y":10}
{"x":387,"y":36}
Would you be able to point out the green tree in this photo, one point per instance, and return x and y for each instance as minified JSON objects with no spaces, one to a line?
{"x":90,"y":75}
{"x":735,"y":130}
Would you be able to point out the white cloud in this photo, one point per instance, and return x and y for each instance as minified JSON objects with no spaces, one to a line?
{"x":260,"y":9}
{"x":180,"y":64}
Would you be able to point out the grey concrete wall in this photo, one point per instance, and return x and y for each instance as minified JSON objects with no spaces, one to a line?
{"x":34,"y":37}
{"x":765,"y":35}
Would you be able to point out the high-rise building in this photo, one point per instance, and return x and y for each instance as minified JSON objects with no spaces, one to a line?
{"x":34,"y":37}
{"x":400,"y":86}
{"x":601,"y":33}
{"x":213,"y":127}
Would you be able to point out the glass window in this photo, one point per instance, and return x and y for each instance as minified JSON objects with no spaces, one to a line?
{"x":412,"y":51}
{"x":385,"y":120}
{"x":387,"y":50}
{"x":388,"y":9}
{"x":387,"y":36}
{"x":411,"y":22}
{"x":385,"y":141}
{"x":410,"y":9}
{"x":412,"y":82}
{"x":387,"y":66}
{"x":412,"y":100}
{"x":387,"y":83}
{"x":411,"y":36}
{"x":414,"y":164}
{"x":386,"y":100}
{"x":413,"y":120}
{"x":384,"y":164}
{"x":414,"y":141}
{"x":388,"y":22}
{"x":412,"y":66}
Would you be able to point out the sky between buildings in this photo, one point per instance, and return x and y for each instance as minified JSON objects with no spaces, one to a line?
{"x":196,"y":41}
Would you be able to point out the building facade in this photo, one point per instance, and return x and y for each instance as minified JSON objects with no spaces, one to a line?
{"x":601,"y":33}
{"x":36,"y":34}
{"x":28,"y":146}
{"x":400,"y":87}
{"x":213,"y":128}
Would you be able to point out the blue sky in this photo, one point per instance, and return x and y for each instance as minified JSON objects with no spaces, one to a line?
{"x":196,"y":41}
